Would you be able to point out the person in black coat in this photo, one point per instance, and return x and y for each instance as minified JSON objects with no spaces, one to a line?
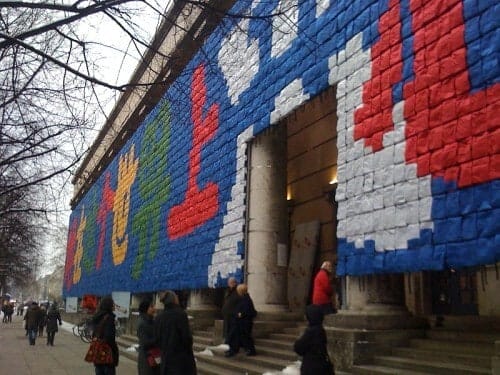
{"x":242,"y":324}
{"x":53,"y":317}
{"x":312,"y":345}
{"x":104,"y":328}
{"x":231,"y":300}
{"x":43,"y":320}
{"x":174,"y":336}
{"x":147,"y":338}
{"x":32,"y":318}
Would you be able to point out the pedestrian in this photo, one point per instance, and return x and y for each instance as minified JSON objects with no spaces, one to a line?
{"x":32,"y":318}
{"x":42,"y":321}
{"x":231,"y":299}
{"x":147,"y":338}
{"x":20,"y":309}
{"x":322,"y":289}
{"x":312,"y":345}
{"x":242,"y":324}
{"x":105,"y":330}
{"x":174,"y":337}
{"x":53,"y":317}
{"x":4,"y":312}
{"x":9,"y":311}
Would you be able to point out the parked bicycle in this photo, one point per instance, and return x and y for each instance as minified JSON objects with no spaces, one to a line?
{"x":84,"y":330}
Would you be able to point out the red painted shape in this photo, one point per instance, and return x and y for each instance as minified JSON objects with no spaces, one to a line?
{"x":466,"y":154}
{"x":106,"y":206}
{"x":70,"y":254}
{"x":199,"y":204}
{"x":374,"y":118}
{"x":448,"y":129}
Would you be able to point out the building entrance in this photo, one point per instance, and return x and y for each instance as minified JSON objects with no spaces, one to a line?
{"x":454,"y":292}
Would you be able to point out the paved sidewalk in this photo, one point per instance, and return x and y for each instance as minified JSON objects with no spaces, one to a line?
{"x":64,"y":358}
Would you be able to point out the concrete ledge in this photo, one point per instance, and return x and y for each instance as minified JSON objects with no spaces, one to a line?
{"x":374,"y":321}
{"x":475,"y":323}
{"x":348,"y":347}
{"x":495,"y":360}
{"x":287,"y":316}
{"x":200,"y":319}
{"x":261,"y":328}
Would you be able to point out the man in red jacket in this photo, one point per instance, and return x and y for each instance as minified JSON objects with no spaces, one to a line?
{"x":322,"y":289}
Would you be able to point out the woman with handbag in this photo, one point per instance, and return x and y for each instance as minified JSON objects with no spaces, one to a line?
{"x":105,"y":334}
{"x":312,"y":345}
{"x":147,"y":362}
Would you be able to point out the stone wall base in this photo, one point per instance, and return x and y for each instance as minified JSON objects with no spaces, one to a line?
{"x":348,"y":347}
{"x":495,"y":360}
{"x":374,"y":321}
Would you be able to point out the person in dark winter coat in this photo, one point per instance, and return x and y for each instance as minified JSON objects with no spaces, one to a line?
{"x":231,"y":300}
{"x":104,"y":328}
{"x":32,"y":318}
{"x":147,"y":338}
{"x":241,"y":327}
{"x":42,"y":321}
{"x":53,"y":317}
{"x":8,"y":312}
{"x":175,"y":338}
{"x":312,"y":345}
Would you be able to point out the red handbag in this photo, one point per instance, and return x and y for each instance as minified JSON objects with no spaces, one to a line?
{"x":153,"y":357}
{"x":99,"y":353}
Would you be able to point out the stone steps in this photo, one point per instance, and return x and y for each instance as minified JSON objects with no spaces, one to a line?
{"x":429,"y":367}
{"x":273,"y":353}
{"x":201,"y":339}
{"x":280,"y":344}
{"x":283,"y":337}
{"x":463,"y":359}
{"x":209,"y":369}
{"x":382,"y":370}
{"x":124,"y":343}
{"x":238,"y":364}
{"x":456,"y":335}
{"x":453,"y":346}
{"x":443,"y":352}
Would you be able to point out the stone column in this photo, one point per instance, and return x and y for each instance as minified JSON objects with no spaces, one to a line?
{"x":374,"y":302}
{"x":267,"y":221}
{"x":201,"y":308}
{"x":374,"y":317}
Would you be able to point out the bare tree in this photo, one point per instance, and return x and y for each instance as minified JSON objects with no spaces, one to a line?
{"x":52,"y":98}
{"x":48,"y":104}
{"x":20,"y":235}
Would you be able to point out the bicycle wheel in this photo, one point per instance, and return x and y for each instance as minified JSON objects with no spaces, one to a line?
{"x":86,"y":337}
{"x":77,"y":329}
{"x":87,"y":332}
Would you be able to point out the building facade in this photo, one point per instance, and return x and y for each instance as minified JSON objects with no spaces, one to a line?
{"x":363,"y":132}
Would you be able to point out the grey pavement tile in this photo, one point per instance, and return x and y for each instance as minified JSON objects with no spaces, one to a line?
{"x":64,"y":358}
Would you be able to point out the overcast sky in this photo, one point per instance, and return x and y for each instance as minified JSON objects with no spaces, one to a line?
{"x":116,"y":62}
